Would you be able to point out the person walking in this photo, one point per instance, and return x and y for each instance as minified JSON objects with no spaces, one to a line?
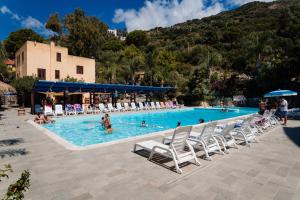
{"x":283,"y":110}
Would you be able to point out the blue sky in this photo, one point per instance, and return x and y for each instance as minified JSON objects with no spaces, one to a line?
{"x":130,"y":14}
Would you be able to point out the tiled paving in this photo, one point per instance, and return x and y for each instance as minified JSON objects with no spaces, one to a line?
{"x":269,"y":169}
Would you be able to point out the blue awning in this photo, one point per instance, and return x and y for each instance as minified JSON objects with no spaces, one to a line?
{"x":51,"y":86}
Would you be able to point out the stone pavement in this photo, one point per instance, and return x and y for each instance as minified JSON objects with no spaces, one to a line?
{"x":269,"y":169}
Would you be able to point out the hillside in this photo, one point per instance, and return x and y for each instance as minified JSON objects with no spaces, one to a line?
{"x":250,"y":50}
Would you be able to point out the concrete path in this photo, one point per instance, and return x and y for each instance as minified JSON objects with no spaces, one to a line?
{"x":269,"y":169}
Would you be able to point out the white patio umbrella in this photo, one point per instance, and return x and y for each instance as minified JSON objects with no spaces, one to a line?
{"x":280,"y":93}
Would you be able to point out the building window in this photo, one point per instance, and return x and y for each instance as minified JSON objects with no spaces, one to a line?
{"x":58,"y":57}
{"x":57,"y":75}
{"x":41,"y":73}
{"x":22,"y":57}
{"x":79,"y":69}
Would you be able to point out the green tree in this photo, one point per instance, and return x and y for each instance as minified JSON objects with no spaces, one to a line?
{"x":16,"y":39}
{"x":54,"y":24}
{"x":138,"y":38}
{"x":86,"y":34}
{"x":134,"y":58}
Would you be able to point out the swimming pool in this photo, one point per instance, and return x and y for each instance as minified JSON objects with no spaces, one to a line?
{"x":87,"y":130}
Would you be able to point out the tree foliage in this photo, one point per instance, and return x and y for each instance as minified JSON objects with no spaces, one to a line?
{"x":16,"y":39}
{"x":54,"y":24}
{"x":86,"y":35}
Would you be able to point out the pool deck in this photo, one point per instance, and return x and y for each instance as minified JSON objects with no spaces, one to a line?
{"x":269,"y":169}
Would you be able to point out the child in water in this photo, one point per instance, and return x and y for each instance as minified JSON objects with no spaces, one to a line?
{"x":143,"y":124}
{"x":178,"y":124}
{"x":102,"y":121}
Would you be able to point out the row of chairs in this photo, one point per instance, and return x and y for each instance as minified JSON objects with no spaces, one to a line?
{"x":210,"y":137}
{"x":88,"y":109}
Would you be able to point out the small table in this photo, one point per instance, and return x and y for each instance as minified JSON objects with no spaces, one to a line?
{"x":21,"y":111}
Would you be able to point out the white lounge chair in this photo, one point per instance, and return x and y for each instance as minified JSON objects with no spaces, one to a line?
{"x":152,"y":105}
{"x":157,"y":105}
{"x":88,"y":109}
{"x":225,"y":138}
{"x":205,"y":140}
{"x":162,"y":105}
{"x":133,"y":106}
{"x":58,"y":110}
{"x":147,"y":106}
{"x":120,"y":107}
{"x":141,"y":106}
{"x":48,"y":110}
{"x":245,"y":133}
{"x":179,"y":148}
{"x":102,"y":107}
{"x":126,"y":107}
{"x":110,"y":107}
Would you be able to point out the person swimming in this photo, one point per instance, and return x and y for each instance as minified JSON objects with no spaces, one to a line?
{"x":143,"y":124}
{"x":178,"y":124}
{"x":102,"y":121}
{"x":201,"y":121}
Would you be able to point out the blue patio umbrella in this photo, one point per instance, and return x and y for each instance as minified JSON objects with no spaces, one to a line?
{"x":280,"y":93}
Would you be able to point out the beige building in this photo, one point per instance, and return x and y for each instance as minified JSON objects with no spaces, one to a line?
{"x":52,"y":63}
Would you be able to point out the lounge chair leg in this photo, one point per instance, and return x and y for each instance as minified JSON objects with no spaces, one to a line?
{"x":197,"y":162}
{"x":151,"y":155}
{"x":178,"y":170}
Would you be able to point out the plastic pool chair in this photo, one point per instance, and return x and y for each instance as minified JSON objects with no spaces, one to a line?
{"x":88,"y":109}
{"x":58,"y":109}
{"x":205,"y":140}
{"x":102,"y":107}
{"x":133,"y":106}
{"x":120,"y":107}
{"x":48,"y":110}
{"x":225,"y":138}
{"x":69,"y":109}
{"x":126,"y":107}
{"x":141,"y":106}
{"x":167,"y":105}
{"x":245,"y":132}
{"x":110,"y":107}
{"x":172,"y":105}
{"x":147,"y":106}
{"x":162,"y":105}
{"x":78,"y":109}
{"x":38,"y":108}
{"x":152,"y":105}
{"x":157,"y":105}
{"x":179,"y":149}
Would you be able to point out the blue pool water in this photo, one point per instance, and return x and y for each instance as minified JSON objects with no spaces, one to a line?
{"x":87,"y":130}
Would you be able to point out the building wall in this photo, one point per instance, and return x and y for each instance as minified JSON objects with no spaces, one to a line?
{"x":39,"y":55}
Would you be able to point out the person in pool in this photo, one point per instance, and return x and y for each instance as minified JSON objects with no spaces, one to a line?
{"x":109,"y":129}
{"x":39,"y":119}
{"x":48,"y":119}
{"x":102,"y":121}
{"x":201,"y":121}
{"x":143,"y":124}
{"x":178,"y":124}
{"x":107,"y":121}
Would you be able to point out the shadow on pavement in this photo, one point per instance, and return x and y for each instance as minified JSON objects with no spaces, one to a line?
{"x":293,"y":133}
{"x":10,"y":142}
{"x":13,"y":152}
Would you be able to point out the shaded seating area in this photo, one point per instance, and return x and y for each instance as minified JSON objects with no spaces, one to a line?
{"x":66,"y":88}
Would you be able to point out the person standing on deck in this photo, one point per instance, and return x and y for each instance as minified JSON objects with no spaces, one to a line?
{"x":283,"y":110}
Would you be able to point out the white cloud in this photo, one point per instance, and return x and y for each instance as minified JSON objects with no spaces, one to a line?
{"x":28,"y":22}
{"x":5,"y":10}
{"x":242,"y":2}
{"x":164,"y":13}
